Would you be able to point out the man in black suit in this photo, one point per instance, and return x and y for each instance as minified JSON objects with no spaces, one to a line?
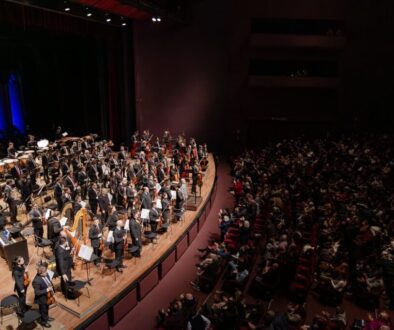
{"x":135,"y":232}
{"x":36,"y":218}
{"x":93,"y":197}
{"x":112,"y":219}
{"x":12,"y":204}
{"x":105,"y":202}
{"x":54,"y":228}
{"x":146,"y":199}
{"x":154,"y":217}
{"x":119,"y":239}
{"x":64,"y":263}
{"x":95,"y":237}
{"x":26,"y":192}
{"x":42,"y":285}
{"x":179,"y":203}
{"x":58,"y":193}
{"x":165,"y":209}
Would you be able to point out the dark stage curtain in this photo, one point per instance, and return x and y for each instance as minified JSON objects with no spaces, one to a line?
{"x":15,"y":17}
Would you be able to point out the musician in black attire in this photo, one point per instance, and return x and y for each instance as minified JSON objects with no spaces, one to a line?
{"x":26,"y":192}
{"x":12,"y":204}
{"x":2,"y":219}
{"x":95,"y":237}
{"x":64,"y":263}
{"x":58,"y":193}
{"x":135,"y":233}
{"x":154,"y":217}
{"x":112,"y":219}
{"x":165,"y":209}
{"x":18,"y":274}
{"x":54,"y":228}
{"x":42,"y":285}
{"x":119,"y":239}
{"x":36,"y":216}
{"x":179,"y":202}
{"x":146,"y":199}
{"x":93,"y":197}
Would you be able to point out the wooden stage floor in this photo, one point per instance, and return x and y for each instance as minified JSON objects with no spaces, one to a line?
{"x":105,"y":286}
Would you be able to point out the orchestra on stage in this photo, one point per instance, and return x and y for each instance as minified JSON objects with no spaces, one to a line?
{"x":102,"y":202}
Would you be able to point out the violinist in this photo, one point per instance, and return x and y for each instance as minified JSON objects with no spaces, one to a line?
{"x":42,"y":289}
{"x":54,"y":228}
{"x":36,"y":218}
{"x":96,"y":239}
{"x":21,"y":278}
{"x":64,"y":263}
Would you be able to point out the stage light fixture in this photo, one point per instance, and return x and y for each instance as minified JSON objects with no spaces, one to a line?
{"x":158,"y":19}
{"x":88,"y":12}
{"x":66,"y":6}
{"x":153,"y":19}
{"x":123,"y":22}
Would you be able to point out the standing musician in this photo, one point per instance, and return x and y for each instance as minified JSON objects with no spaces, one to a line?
{"x":96,"y":239}
{"x":154,"y":218}
{"x":12,"y":205}
{"x":36,"y":218}
{"x":93,"y":197}
{"x":64,"y":263}
{"x":179,"y":202}
{"x":58,"y":193}
{"x":165,"y":210}
{"x":54,"y":228}
{"x":119,"y":240}
{"x":21,"y":278}
{"x":43,"y":289}
{"x":146,"y":199}
{"x":135,"y":232}
{"x":195,"y":173}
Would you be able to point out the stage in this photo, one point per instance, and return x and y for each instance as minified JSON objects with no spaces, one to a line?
{"x":106,"y":290}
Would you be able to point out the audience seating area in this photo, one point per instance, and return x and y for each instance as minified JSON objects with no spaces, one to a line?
{"x":312,"y":219}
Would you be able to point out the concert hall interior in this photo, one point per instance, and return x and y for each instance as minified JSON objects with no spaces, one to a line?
{"x":196,"y":164}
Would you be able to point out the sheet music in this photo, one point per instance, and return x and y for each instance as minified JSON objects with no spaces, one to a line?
{"x":63,"y":221}
{"x":158,"y":204}
{"x":85,"y":252}
{"x":50,"y":274}
{"x":145,"y":213}
{"x":127,"y":225}
{"x":48,"y":213}
{"x":110,"y":237}
{"x":173,"y":195}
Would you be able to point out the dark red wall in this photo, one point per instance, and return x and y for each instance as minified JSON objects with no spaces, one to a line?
{"x":181,"y":72}
{"x":194,"y":77}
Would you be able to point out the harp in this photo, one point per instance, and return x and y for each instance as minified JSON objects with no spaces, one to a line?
{"x":79,"y":230}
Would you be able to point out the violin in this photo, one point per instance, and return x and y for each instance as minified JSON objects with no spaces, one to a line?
{"x":26,"y":279}
{"x":50,"y":298}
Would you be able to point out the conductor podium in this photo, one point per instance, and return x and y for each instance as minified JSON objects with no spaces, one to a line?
{"x":13,"y":244}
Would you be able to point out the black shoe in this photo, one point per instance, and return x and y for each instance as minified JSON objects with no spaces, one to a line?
{"x":123,"y":266}
{"x":50,"y":319}
{"x":46,"y":325}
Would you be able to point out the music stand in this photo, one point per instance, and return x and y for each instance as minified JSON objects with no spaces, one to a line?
{"x":87,"y":255}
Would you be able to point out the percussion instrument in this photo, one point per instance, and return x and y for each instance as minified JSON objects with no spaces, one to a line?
{"x":2,"y":167}
{"x":23,"y":160}
{"x":10,"y":163}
